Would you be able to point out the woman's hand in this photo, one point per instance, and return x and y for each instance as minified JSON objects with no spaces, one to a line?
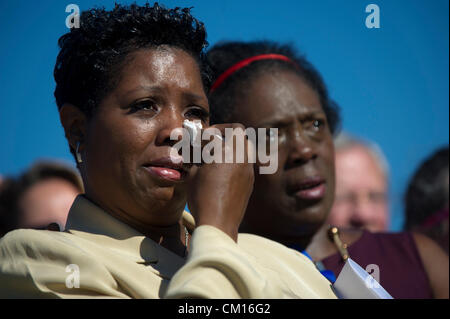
{"x":219,"y":192}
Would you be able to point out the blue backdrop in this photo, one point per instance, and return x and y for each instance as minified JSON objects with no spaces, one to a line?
{"x":392,"y":82}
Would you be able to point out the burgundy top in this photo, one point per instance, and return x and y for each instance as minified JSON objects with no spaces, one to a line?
{"x":401,"y":271}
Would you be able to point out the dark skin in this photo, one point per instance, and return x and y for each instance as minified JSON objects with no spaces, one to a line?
{"x":158,"y":89}
{"x":283,"y":100}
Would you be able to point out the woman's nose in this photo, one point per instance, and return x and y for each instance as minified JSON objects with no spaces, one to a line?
{"x":171,"y":122}
{"x":301,"y":149}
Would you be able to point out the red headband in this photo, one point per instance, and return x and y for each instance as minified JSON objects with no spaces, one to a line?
{"x":245,"y":62}
{"x":435,"y":218}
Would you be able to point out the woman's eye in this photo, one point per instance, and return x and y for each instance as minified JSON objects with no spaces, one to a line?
{"x":318,"y":124}
{"x":197,"y":113}
{"x":272,"y":134}
{"x":314,"y":127}
{"x":144,"y":105}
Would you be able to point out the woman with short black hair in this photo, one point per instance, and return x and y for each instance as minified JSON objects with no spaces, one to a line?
{"x":125,"y":80}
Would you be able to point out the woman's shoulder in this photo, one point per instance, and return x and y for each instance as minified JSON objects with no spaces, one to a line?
{"x":27,"y":237}
{"x":33,"y":236}
{"x":351,"y":235}
{"x":392,"y":248}
{"x":388,"y":248}
{"x":34,"y":244}
{"x":365,"y":237}
{"x":48,"y":264}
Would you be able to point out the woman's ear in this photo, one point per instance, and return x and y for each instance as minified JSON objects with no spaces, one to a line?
{"x":74,"y":122}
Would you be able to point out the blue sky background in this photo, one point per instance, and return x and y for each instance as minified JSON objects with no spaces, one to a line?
{"x":391,"y":83}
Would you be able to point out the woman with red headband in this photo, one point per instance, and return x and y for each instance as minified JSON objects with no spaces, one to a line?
{"x":263,"y":84}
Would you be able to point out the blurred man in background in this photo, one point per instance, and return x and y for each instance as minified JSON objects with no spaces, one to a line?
{"x":39,"y":198}
{"x":361,"y":185}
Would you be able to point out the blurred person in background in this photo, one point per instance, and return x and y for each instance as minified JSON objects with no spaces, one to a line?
{"x":362,"y":184}
{"x":426,"y":199}
{"x":7,"y":197}
{"x":268,"y":85}
{"x":39,"y":198}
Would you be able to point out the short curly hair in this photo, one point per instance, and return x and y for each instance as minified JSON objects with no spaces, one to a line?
{"x":224,"y":55}
{"x":91,"y":56}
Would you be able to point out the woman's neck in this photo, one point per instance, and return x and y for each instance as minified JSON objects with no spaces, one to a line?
{"x":171,"y":236}
{"x":322,"y":247}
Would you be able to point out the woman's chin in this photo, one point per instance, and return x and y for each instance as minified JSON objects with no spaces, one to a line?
{"x":165,"y":195}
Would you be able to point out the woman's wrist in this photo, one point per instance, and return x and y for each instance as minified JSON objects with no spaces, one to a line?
{"x":227,"y":227}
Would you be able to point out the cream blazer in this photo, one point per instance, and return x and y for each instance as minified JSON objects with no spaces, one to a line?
{"x":99,"y":256}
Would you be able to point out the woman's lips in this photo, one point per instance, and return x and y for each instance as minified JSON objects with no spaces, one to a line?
{"x":165,"y":169}
{"x":312,"y":193}
{"x":165,"y":172}
{"x":309,"y":189}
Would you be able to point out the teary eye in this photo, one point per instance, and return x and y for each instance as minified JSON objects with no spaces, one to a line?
{"x":197,"y":113}
{"x":145,"y":105}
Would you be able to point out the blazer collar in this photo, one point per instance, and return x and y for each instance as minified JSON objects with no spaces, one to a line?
{"x":90,"y":222}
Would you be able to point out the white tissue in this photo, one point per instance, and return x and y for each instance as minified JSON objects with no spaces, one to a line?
{"x":194,"y":128}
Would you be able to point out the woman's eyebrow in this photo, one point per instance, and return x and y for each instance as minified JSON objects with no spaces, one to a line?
{"x":310,"y":115}
{"x":194,"y":97}
{"x":157,"y":89}
{"x":282,"y":122}
{"x":150,"y":89}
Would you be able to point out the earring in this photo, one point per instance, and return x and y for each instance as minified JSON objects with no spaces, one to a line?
{"x":78,"y":155}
